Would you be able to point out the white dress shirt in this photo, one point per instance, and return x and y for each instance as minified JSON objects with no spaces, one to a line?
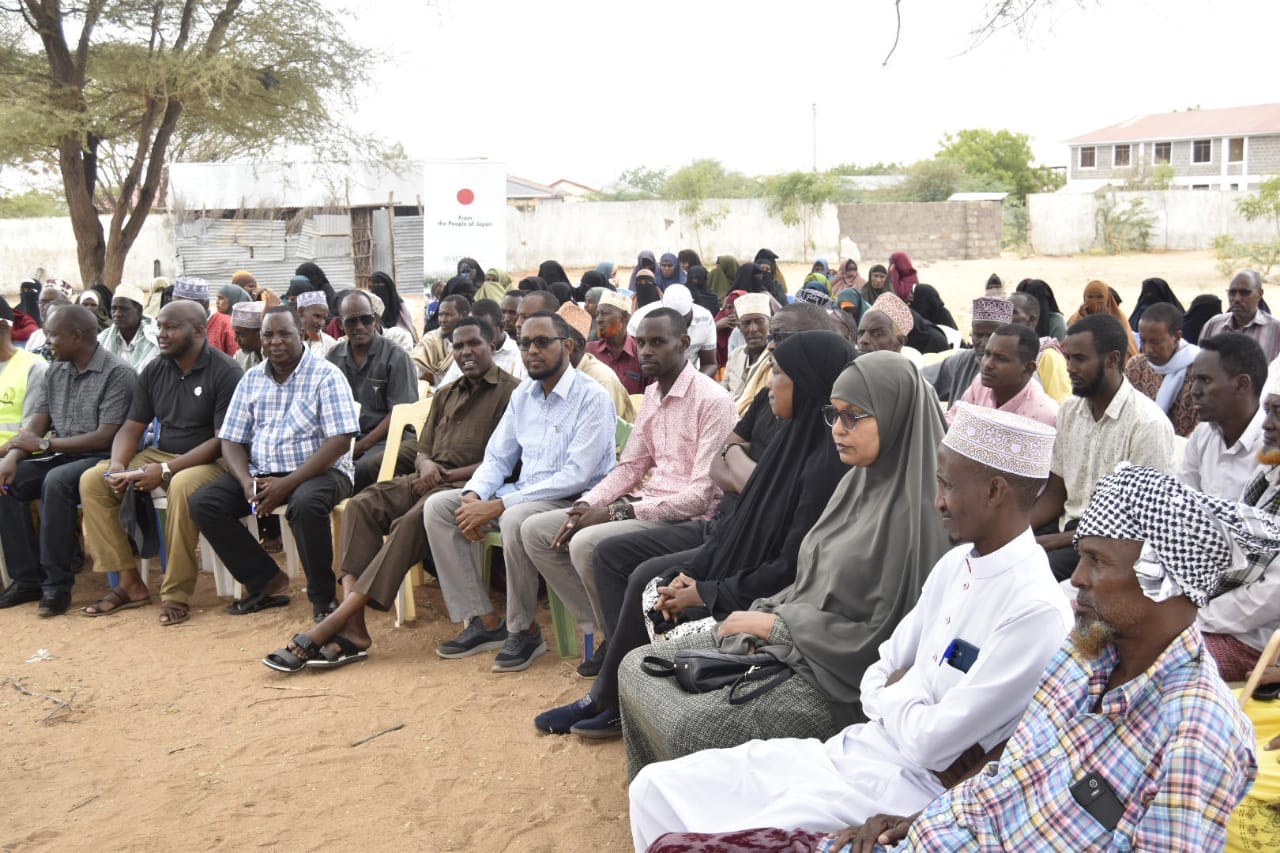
{"x":1209,"y":466}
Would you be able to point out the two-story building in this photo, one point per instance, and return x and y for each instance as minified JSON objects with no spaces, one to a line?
{"x":1229,"y":149}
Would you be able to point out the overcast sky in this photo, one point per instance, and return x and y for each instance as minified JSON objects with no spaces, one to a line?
{"x":583,"y":89}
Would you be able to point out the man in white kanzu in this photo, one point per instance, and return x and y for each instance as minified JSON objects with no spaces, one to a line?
{"x":949,"y":687}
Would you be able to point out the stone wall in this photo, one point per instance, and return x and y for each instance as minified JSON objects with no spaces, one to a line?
{"x":946,"y":230}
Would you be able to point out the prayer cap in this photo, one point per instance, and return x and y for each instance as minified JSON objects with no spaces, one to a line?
{"x":312,"y":297}
{"x":576,"y":317}
{"x":1002,"y":440}
{"x":614,"y":300}
{"x":678,"y":298}
{"x":897,"y":311}
{"x":992,"y":309}
{"x":378,"y":305}
{"x":187,"y":287}
{"x":754,"y":303}
{"x":1192,"y":544}
{"x":131,"y":292}
{"x":59,"y":284}
{"x":248,"y":315}
{"x":1273,"y":383}
{"x":814,"y":297}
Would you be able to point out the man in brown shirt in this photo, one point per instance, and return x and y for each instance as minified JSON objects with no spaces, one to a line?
{"x":451,"y":446}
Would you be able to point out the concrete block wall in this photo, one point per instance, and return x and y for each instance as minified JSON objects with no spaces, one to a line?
{"x":941,"y":230}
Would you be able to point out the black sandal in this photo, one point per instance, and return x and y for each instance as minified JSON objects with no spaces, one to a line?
{"x":286,"y":660}
{"x":255,"y":602}
{"x":347,"y":652}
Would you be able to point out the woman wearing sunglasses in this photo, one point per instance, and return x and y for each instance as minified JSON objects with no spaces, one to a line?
{"x":858,"y":571}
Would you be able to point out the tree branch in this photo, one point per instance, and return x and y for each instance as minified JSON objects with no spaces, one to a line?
{"x":897,"y":33}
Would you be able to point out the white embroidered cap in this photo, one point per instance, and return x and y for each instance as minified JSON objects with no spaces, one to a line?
{"x":1002,"y":440}
{"x":312,"y":297}
{"x":993,"y":309}
{"x":754,"y":303}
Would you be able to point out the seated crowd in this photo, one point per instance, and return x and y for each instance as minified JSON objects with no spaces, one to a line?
{"x":853,"y":583}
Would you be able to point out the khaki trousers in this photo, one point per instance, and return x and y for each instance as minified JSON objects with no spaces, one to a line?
{"x":106,"y":540}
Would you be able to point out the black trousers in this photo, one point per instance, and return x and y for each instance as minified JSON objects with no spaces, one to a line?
{"x":45,"y":560}
{"x":218,"y":507}
{"x":623,"y":566}
{"x":1061,"y":560}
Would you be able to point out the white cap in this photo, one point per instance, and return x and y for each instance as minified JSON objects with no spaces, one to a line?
{"x":615,"y":300}
{"x":1002,"y":440}
{"x":754,"y":303}
{"x":131,"y":292}
{"x":312,"y":297}
{"x":678,"y":298}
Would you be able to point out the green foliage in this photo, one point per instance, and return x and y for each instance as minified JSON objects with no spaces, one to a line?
{"x":930,"y":180}
{"x":999,"y":160}
{"x":795,"y":197}
{"x":1162,"y":176}
{"x":635,"y":184}
{"x":1016,"y":225}
{"x":1263,"y":204}
{"x":1123,"y":229}
{"x":873,"y":169}
{"x":704,"y":179}
{"x":1234,"y":255}
{"x":31,"y":204}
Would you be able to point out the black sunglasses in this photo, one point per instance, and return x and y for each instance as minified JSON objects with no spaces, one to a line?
{"x":358,"y":320}
{"x":847,"y":419}
{"x":539,"y":343}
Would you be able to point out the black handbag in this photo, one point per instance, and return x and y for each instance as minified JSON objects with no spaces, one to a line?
{"x":708,"y":670}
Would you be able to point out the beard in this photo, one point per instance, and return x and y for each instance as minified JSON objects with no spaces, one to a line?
{"x":1090,"y":389}
{"x":1269,"y":456}
{"x":1092,"y":637}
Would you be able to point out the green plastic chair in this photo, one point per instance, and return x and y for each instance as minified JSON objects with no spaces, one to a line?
{"x":566,"y":632}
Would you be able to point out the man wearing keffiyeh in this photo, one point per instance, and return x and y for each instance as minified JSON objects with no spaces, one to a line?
{"x":1132,"y":741}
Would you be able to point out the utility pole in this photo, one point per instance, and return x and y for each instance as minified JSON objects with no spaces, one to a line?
{"x":815,"y":136}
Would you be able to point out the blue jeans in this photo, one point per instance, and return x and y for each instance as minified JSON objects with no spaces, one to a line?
{"x":43,"y":562}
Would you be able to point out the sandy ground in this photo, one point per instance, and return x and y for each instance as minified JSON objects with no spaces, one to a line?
{"x":179,"y":737}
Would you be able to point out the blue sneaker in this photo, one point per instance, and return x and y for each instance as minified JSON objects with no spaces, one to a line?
{"x":607,"y":724}
{"x":473,"y":640}
{"x":559,"y":721}
{"x":519,"y":651}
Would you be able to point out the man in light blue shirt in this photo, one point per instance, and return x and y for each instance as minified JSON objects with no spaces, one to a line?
{"x":559,"y":427}
{"x":286,"y":439}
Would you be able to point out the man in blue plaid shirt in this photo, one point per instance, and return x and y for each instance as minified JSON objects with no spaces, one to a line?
{"x":287,"y":442}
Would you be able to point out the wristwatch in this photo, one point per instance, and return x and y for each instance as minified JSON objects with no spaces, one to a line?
{"x":165,"y":474}
{"x":724,"y":451}
{"x":621,"y":510}
{"x":43,"y":444}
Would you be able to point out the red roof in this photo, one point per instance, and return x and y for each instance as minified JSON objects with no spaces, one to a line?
{"x":1262,"y":119}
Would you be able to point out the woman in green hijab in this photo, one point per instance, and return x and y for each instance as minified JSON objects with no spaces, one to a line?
{"x":496,"y":284}
{"x":720,"y":280}
{"x":859,"y":571}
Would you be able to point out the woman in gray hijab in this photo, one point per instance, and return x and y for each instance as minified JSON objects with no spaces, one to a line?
{"x":859,"y":571}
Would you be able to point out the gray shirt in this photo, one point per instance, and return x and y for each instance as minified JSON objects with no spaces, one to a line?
{"x":387,"y":378}
{"x":78,"y":402}
{"x":952,"y":376}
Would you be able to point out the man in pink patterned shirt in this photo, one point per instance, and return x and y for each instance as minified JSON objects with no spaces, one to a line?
{"x":664,"y":475}
{"x":1007,"y":378}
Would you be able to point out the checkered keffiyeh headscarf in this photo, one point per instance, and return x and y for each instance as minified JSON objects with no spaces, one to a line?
{"x":1193,"y":544}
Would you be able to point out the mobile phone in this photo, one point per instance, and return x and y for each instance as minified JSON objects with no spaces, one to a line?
{"x":1267,"y":692}
{"x":1097,"y":797}
{"x":961,"y":655}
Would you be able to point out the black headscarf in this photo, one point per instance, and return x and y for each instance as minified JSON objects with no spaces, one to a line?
{"x":384,"y":288}
{"x":1203,"y":308}
{"x":772,"y":257}
{"x":319,"y":281}
{"x":646,"y":290}
{"x":590,"y":279}
{"x":29,"y":299}
{"x":551,"y":272}
{"x":690,"y":257}
{"x":1153,"y":290}
{"x":1043,"y":294}
{"x":927,"y":302}
{"x":702,"y":295}
{"x":457,"y":286}
{"x":531,"y":283}
{"x":752,"y":553}
{"x":562,"y":291}
{"x":475,"y":272}
{"x":750,"y":278}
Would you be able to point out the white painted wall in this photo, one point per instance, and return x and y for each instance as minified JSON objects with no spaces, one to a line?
{"x":1065,"y":223}
{"x":584,"y":234}
{"x":28,"y":244}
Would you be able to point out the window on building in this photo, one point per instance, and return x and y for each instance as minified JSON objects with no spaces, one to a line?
{"x":1200,"y":186}
{"x":1202,"y":151}
{"x":1235,"y":150}
{"x":1122,"y":155}
{"x":1088,"y":157}
{"x":1162,"y":152}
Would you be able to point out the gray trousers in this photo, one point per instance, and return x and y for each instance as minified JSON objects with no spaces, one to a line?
{"x":457,"y":561}
{"x":573,"y":570}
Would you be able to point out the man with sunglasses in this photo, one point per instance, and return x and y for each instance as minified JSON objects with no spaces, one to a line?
{"x":559,"y":430}
{"x":381,"y":375}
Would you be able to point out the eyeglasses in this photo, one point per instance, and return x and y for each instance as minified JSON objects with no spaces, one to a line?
{"x":358,"y":320}
{"x":848,"y":419}
{"x":538,"y":343}
{"x":778,"y":337}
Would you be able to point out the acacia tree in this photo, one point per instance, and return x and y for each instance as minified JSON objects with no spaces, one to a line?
{"x":104,"y":92}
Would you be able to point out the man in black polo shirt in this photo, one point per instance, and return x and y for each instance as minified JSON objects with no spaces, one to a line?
{"x":381,"y":376}
{"x":87,"y":394}
{"x":188,"y":388}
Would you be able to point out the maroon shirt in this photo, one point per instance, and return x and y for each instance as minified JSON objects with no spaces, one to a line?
{"x":625,"y":363}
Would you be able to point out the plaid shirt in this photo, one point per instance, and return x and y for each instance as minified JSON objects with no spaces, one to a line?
{"x":1172,"y":743}
{"x":284,"y":423}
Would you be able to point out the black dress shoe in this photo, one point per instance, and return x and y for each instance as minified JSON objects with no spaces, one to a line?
{"x":54,"y":603}
{"x":15,"y":595}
